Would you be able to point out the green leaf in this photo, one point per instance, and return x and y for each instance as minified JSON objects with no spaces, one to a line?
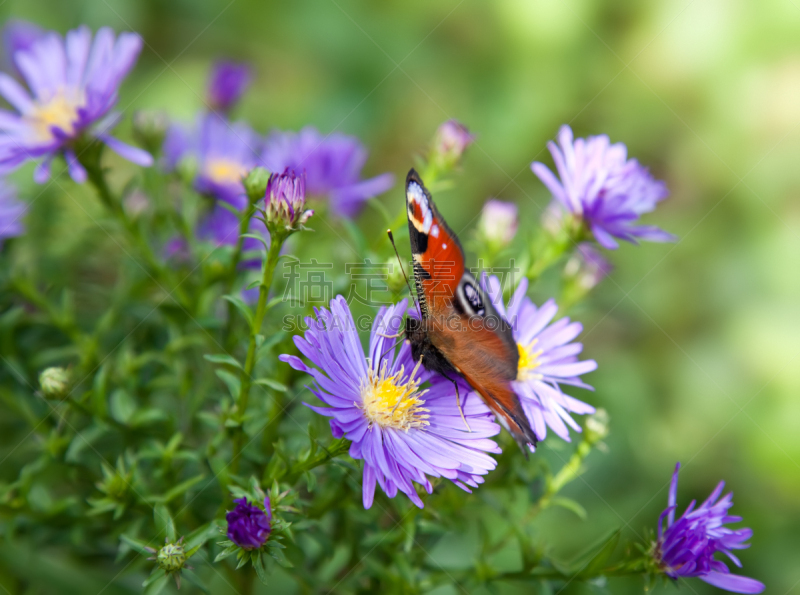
{"x":201,"y":535}
{"x":122,"y":406}
{"x":164,"y":522}
{"x":273,"y":384}
{"x":595,"y":559}
{"x":136,"y":545}
{"x":223,"y":358}
{"x":233,"y":383}
{"x":155,"y":584}
{"x":254,"y":236}
{"x":570,"y":505}
{"x":180,"y":489}
{"x":243,"y":308}
{"x":192,"y":577}
{"x":255,"y":283}
{"x":258,"y":564}
{"x":231,"y":549}
{"x":84,"y":439}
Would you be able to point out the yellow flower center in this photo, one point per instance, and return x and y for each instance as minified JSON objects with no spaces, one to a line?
{"x":528,"y":361}
{"x":225,"y":171}
{"x":390,"y":403}
{"x":61,"y":111}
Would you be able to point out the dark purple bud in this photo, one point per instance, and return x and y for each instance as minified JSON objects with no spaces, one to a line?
{"x":228,"y":82}
{"x":286,"y":198}
{"x":248,"y":524}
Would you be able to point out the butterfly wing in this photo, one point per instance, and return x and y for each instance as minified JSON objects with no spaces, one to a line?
{"x":458,"y":320}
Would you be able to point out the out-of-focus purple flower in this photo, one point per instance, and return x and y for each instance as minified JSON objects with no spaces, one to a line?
{"x":600,"y":185}
{"x":404,"y":434}
{"x":498,"y":223}
{"x":224,"y":151}
{"x":587,"y":266}
{"x":18,"y":35}
{"x":286,"y":199}
{"x":73,"y":83}
{"x":332,"y":164}
{"x":221,"y":227}
{"x":11,"y":212}
{"x":451,"y":141}
{"x":248,"y":524}
{"x":547,"y":359}
{"x":228,"y":82}
{"x":687,"y":546}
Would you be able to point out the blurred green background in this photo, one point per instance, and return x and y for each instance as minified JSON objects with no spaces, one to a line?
{"x":697,"y":342}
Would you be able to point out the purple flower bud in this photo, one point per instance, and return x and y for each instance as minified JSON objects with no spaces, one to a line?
{"x":451,"y":140}
{"x":248,"y":524}
{"x":228,"y":82}
{"x":286,"y":197}
{"x":498,"y":223}
{"x":587,"y":266}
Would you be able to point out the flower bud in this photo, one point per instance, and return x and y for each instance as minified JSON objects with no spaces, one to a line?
{"x":498,"y":223}
{"x":255,"y":183}
{"x":150,"y":129}
{"x":248,"y":524}
{"x":587,"y":267}
{"x":451,"y":140}
{"x":286,"y":197}
{"x":55,"y":383}
{"x":227,"y":84}
{"x":596,"y":426}
{"x":172,"y":556}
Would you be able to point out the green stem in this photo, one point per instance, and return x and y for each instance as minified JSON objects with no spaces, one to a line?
{"x":337,"y":448}
{"x":246,"y":376}
{"x":90,"y":160}
{"x":244,"y":226}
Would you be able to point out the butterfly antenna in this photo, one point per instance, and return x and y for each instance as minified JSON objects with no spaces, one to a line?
{"x":400,"y":262}
{"x":390,"y":349}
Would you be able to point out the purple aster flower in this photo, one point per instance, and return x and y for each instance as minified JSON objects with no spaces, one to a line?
{"x":73,"y":83}
{"x":286,"y":199}
{"x":249,"y":524}
{"x":451,"y":141}
{"x":402,"y":432}
{"x":11,"y":212}
{"x":332,"y":164}
{"x":18,"y":35}
{"x":687,"y":546}
{"x":227,"y":84}
{"x":225,"y":152}
{"x":547,"y":359}
{"x":498,"y":223}
{"x":601,"y":186}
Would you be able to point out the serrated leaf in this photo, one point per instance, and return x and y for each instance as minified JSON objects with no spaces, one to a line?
{"x":243,"y":308}
{"x":223,"y":358}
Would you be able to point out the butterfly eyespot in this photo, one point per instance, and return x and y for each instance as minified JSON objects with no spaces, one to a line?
{"x":474,"y":299}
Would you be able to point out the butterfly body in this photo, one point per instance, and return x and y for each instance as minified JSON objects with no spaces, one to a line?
{"x":459,"y":332}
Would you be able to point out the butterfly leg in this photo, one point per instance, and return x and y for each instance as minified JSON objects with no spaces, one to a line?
{"x":390,"y":336}
{"x":458,"y":402}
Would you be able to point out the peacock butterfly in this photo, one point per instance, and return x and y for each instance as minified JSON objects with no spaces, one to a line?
{"x":459,"y":332}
